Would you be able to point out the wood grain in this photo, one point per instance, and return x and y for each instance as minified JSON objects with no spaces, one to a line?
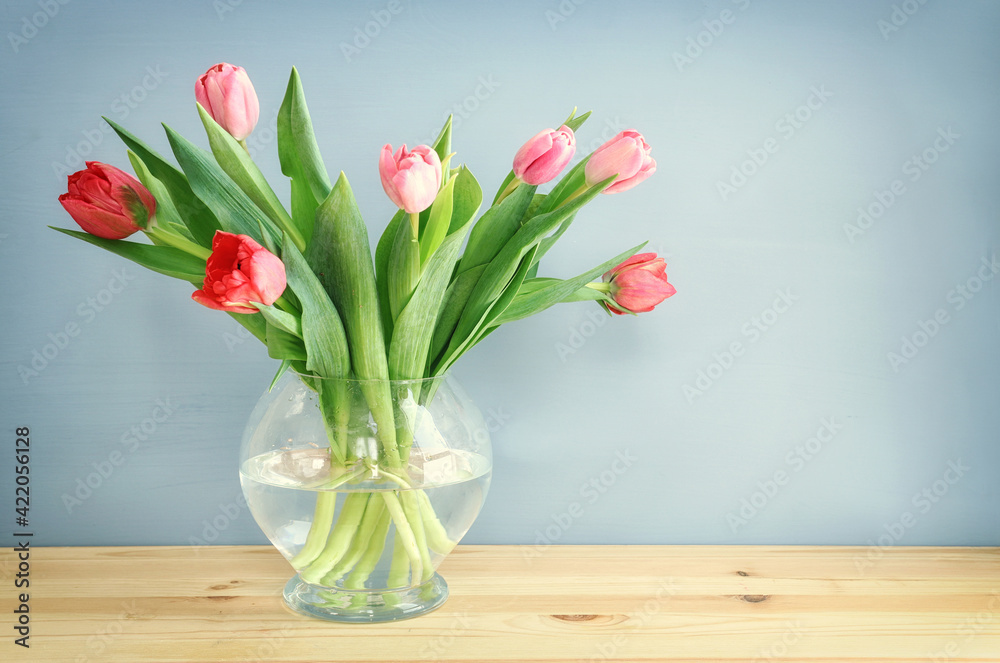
{"x":516,"y":603}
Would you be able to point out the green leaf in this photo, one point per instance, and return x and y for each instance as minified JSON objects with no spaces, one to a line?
{"x":163,"y":259}
{"x":383,"y":264}
{"x":575,"y":121}
{"x":166,"y":214}
{"x":468,"y":197}
{"x":496,"y":227}
{"x":254,"y":324}
{"x":414,"y":330}
{"x":322,"y":330}
{"x":281,"y":319}
{"x":570,"y":183}
{"x":298,"y":153}
{"x":451,"y":310}
{"x":502,"y":268}
{"x":538,"y":297}
{"x":549,"y":242}
{"x":442,"y":144}
{"x":340,"y":254}
{"x":438,"y":222}
{"x":284,"y":346}
{"x":486,"y":323}
{"x":197,"y":218}
{"x":403,"y":272}
{"x":234,"y":160}
{"x":285,"y":365}
{"x":339,"y":247}
{"x":234,"y":210}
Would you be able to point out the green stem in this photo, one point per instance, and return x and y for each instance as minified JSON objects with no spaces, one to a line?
{"x":412,"y":509}
{"x":404,"y":533}
{"x":574,"y":194}
{"x":437,"y":536}
{"x":372,"y":555}
{"x":398,"y":570}
{"x":326,"y":504}
{"x":367,"y":528}
{"x":340,"y":538}
{"x":600,"y":286}
{"x":413,"y":255}
{"x":509,"y":189}
{"x":178,"y":242}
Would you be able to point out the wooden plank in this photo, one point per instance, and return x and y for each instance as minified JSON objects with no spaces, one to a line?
{"x":519,"y":603}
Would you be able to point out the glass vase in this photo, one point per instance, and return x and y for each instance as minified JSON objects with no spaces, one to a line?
{"x":365,"y":486}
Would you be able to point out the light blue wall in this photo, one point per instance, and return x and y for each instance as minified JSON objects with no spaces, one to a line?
{"x":569,"y":390}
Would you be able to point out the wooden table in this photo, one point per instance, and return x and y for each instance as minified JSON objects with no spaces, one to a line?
{"x":514,"y":603}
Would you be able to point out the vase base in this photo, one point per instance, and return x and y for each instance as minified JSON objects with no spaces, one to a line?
{"x":365,"y":606}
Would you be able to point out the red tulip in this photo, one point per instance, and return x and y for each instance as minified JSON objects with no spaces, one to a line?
{"x":108,"y":202}
{"x":225,"y":91}
{"x":238,"y":272}
{"x":627,"y":156}
{"x":545,"y":155}
{"x":411,"y":178}
{"x":638,"y":284}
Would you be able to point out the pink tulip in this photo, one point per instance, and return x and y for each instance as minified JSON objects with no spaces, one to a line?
{"x":227,"y":94}
{"x":627,"y":156}
{"x":545,"y":155}
{"x":238,"y":272}
{"x":639,"y":284}
{"x":411,"y":178}
{"x":108,"y":202}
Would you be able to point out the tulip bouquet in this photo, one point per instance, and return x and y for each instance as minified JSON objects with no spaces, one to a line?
{"x":303,"y":279}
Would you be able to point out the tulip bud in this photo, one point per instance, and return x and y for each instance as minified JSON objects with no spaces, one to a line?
{"x":238,"y":272}
{"x":627,"y":156}
{"x":108,"y":202}
{"x":545,"y":155}
{"x":227,"y":94}
{"x":638,"y":284}
{"x":411,"y":178}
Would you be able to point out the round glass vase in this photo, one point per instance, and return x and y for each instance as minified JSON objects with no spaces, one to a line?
{"x":365,"y":486}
